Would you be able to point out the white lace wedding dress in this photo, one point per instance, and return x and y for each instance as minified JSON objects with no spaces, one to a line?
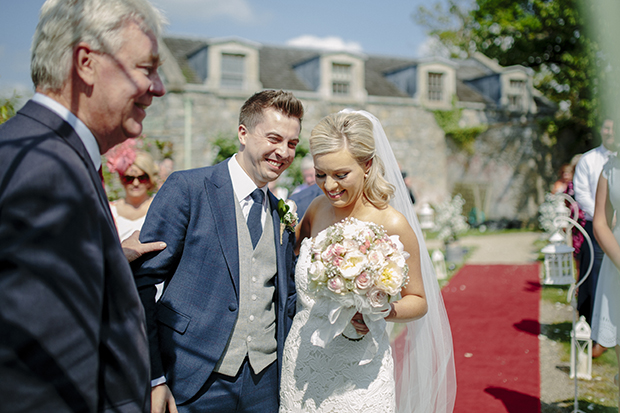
{"x":330,"y":379}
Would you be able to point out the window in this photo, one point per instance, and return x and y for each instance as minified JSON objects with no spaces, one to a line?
{"x":515,"y":94}
{"x":341,"y":79}
{"x":435,"y":86}
{"x":515,"y":102}
{"x":233,"y":71}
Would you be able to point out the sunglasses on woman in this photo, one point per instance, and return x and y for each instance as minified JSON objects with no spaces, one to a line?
{"x":128,"y":179}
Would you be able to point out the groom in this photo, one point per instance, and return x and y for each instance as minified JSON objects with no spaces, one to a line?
{"x":217,"y":333}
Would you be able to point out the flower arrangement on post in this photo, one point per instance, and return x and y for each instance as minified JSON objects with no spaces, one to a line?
{"x":449,"y":219}
{"x":548,"y":210}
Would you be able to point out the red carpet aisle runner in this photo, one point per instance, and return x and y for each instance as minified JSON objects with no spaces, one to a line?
{"x":493,"y":311}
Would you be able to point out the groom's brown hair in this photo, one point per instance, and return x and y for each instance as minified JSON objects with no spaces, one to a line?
{"x":251,"y":113}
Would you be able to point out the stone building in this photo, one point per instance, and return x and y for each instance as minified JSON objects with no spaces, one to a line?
{"x":209,"y":79}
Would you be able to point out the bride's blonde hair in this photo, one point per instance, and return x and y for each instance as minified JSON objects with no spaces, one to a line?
{"x":353,"y":131}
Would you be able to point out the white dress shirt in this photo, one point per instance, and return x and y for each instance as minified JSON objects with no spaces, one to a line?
{"x":586,"y":177}
{"x":243,"y":186}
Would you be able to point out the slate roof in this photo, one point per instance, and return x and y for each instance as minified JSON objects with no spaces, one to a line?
{"x":277,"y":69}
{"x":181,"y":48}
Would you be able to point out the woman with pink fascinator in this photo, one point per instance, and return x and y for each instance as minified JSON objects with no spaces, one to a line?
{"x":136,"y":171}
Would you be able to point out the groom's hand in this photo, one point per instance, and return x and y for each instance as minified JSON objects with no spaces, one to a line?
{"x":161,"y":397}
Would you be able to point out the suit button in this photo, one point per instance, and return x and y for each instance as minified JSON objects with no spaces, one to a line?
{"x":232,"y":307}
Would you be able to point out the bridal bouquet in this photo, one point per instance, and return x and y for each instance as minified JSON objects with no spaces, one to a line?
{"x":357,"y":267}
{"x":357,"y":262}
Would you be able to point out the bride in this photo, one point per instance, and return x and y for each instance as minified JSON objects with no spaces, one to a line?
{"x":345,"y":372}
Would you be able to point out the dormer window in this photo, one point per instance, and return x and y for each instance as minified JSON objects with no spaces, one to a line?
{"x":515,"y":94}
{"x":435,"y":87}
{"x":233,"y":71}
{"x":341,"y":79}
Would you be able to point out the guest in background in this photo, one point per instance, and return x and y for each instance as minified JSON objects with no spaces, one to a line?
{"x":166,"y":167}
{"x":304,"y":198}
{"x":575,"y":211}
{"x":137,"y":173}
{"x":565,"y":176}
{"x":585,"y":180}
{"x":307,"y":171}
{"x":408,"y":185}
{"x":279,"y":191}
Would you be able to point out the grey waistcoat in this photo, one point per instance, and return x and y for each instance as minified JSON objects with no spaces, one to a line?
{"x":255,"y":330}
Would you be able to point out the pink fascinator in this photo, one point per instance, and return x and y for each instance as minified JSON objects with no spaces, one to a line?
{"x":120,"y":157}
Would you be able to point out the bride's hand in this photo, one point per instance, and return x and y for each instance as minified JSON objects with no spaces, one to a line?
{"x":359,"y":325}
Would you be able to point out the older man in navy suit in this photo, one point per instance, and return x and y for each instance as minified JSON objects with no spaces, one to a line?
{"x":218,"y":330}
{"x":73,"y":334}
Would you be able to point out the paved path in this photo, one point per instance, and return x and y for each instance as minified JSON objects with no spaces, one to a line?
{"x":508,"y":248}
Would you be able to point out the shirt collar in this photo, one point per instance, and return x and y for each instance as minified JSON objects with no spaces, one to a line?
{"x":242,"y":183}
{"x":85,"y":135}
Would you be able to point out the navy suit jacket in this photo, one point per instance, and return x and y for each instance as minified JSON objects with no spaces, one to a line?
{"x":189,"y":327}
{"x":304,"y":198}
{"x":72,"y":328}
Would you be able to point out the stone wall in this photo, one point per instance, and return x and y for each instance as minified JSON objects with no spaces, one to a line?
{"x":501,"y":177}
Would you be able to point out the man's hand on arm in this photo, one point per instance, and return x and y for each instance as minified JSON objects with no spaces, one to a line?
{"x":134,"y":249}
{"x":162,"y":398}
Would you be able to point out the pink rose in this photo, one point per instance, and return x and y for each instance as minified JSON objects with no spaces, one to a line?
{"x":337,"y":261}
{"x":362,"y":281}
{"x":333,"y":251}
{"x":349,"y":245}
{"x":336,"y":284}
{"x":376,"y":258}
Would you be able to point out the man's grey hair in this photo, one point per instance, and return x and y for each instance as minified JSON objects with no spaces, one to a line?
{"x":99,"y":23}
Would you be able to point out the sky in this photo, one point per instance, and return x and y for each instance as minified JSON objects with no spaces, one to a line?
{"x":370,"y":26}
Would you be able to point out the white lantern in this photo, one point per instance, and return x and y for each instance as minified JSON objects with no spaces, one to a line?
{"x":427,"y":217}
{"x":558,"y":262}
{"x":440,"y":265}
{"x":581,"y":350}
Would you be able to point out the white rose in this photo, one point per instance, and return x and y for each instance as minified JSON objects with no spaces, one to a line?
{"x":353,"y":264}
{"x":391,"y":278}
{"x":376,"y":297}
{"x":317,"y":271}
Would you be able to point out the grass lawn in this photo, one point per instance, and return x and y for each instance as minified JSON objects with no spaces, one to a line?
{"x":598,"y":395}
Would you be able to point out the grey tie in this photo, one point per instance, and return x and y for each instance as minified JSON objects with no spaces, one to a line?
{"x":254,"y":217}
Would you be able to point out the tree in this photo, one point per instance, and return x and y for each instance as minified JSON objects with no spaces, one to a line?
{"x":7,"y":108}
{"x":548,"y":36}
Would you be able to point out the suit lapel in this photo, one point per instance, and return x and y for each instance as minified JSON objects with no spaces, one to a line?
{"x":221,"y":197}
{"x":68,"y":134}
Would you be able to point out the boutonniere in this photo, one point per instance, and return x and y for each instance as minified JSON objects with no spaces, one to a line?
{"x":288,"y":216}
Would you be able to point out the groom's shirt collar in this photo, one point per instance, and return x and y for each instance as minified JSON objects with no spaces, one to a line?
{"x":243,"y":186}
